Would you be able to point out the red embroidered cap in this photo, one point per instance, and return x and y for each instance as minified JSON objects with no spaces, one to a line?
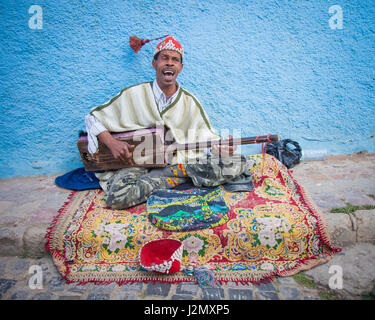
{"x":162,"y":256}
{"x":169,"y":43}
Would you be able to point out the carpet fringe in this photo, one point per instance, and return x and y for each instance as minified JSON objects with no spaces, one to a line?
{"x":64,"y":266}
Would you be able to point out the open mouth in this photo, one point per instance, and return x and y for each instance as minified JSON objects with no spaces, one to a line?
{"x":168,"y":74}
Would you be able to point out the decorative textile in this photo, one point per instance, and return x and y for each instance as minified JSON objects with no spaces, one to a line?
{"x":193,"y":209}
{"x":274,"y":230}
{"x":169,"y":43}
{"x":162,"y":256}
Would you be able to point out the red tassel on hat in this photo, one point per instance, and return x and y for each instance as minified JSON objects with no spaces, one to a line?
{"x":136,"y":44}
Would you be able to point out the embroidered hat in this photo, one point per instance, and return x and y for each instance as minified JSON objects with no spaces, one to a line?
{"x":162,"y":256}
{"x":136,"y":43}
{"x":169,"y":43}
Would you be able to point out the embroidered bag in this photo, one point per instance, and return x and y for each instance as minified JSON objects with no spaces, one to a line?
{"x":187,"y":210}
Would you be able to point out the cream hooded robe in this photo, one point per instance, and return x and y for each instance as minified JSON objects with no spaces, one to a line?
{"x":135,"y":108}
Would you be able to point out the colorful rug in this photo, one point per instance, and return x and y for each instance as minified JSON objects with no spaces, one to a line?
{"x":274,"y":230}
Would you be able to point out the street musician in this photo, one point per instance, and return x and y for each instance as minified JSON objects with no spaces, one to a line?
{"x":160,"y":102}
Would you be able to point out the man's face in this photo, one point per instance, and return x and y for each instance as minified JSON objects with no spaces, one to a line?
{"x":167,"y":66}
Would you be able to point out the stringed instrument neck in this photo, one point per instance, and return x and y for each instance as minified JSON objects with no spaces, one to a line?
{"x":230,"y":142}
{"x":150,"y":150}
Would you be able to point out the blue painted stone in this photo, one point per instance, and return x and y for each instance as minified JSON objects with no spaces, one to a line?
{"x":258,"y":67}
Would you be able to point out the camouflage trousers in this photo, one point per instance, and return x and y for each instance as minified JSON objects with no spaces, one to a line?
{"x":131,"y":186}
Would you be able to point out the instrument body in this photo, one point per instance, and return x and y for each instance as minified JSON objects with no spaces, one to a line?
{"x":151,"y":149}
{"x":149,"y":143}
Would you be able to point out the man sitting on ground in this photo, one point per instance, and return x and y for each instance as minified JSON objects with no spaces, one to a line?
{"x":161,"y":102}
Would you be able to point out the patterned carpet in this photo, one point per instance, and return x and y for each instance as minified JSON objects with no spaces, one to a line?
{"x":274,"y":230}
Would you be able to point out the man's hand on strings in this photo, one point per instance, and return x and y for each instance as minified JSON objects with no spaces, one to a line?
{"x":121,"y":150}
{"x":224,"y":150}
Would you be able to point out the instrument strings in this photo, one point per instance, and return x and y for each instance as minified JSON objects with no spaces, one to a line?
{"x":180,"y":147}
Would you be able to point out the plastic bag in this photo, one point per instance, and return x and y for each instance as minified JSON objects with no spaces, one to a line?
{"x":287,"y":151}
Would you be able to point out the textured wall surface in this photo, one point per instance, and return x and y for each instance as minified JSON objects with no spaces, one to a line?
{"x":256,"y":66}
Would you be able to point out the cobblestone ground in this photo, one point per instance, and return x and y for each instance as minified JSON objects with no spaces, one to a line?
{"x":28,"y":205}
{"x":19,"y":282}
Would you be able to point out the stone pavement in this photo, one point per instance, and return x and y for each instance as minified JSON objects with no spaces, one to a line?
{"x":28,"y":205}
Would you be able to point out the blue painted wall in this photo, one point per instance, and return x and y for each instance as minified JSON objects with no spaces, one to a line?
{"x":258,"y":66}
